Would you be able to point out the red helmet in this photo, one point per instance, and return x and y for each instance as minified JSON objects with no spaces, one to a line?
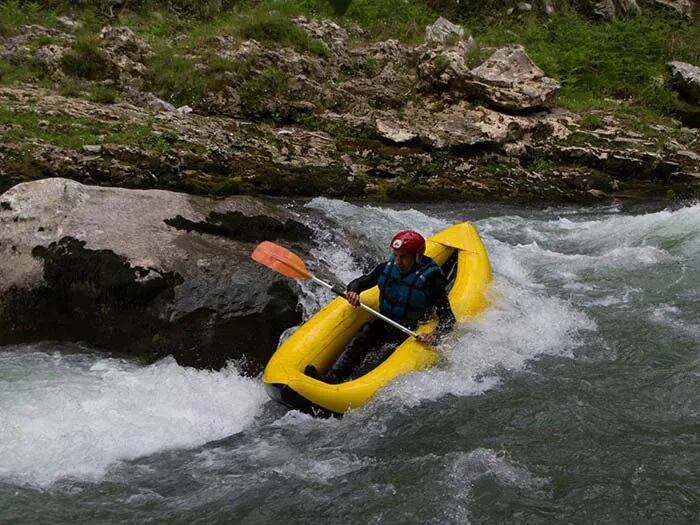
{"x":409,"y":241}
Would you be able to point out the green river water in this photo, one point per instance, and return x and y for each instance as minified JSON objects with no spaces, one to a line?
{"x":574,"y":399}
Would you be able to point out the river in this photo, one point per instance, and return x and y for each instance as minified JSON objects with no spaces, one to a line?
{"x":575,"y":397}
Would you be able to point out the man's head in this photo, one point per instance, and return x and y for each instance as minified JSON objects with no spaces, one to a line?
{"x":409,"y":247}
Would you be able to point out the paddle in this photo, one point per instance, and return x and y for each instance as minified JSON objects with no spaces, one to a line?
{"x":289,"y":264}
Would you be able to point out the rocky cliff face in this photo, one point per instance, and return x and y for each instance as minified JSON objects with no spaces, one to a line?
{"x":379,"y":120}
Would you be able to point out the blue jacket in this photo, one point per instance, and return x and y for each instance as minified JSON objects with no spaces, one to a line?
{"x":412,"y":297}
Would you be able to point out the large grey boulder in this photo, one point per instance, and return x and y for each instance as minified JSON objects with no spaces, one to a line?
{"x":685,"y":78}
{"x":147,"y":273}
{"x":682,"y":7}
{"x":462,"y":127}
{"x":510,"y":80}
{"x":614,"y":9}
{"x":442,"y":30}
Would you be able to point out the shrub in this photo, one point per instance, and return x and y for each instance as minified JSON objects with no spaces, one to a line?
{"x":14,"y":13}
{"x":590,"y":121}
{"x":87,"y":60}
{"x":103,"y":95}
{"x":186,"y":80}
{"x":258,"y":91}
{"x":277,"y":27}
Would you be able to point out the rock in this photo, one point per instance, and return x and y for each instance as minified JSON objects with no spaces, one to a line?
{"x":19,"y":47}
{"x":184,"y":110}
{"x":334,"y":36}
{"x":626,"y":164}
{"x":462,"y":127}
{"x":614,"y":9}
{"x":394,"y":132}
{"x":156,"y":104}
{"x":524,"y":7}
{"x":68,"y":23}
{"x":147,"y":273}
{"x":548,"y":7}
{"x":510,"y":80}
{"x":683,"y":7}
{"x":442,"y":30}
{"x":149,"y":101}
{"x":444,"y":67}
{"x":386,"y":51}
{"x":685,"y":78}
{"x":122,"y":40}
{"x":125,"y":51}
{"x":93,"y":149}
{"x":50,"y":56}
{"x":321,"y":29}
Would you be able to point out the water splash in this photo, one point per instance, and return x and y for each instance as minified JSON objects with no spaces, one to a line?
{"x":73,"y":415}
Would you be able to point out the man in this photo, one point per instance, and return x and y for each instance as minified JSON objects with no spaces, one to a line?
{"x":411,"y":288}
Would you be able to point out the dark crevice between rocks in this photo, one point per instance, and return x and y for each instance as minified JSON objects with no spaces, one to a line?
{"x":690,"y":118}
{"x":239,"y":227}
{"x":5,"y":206}
{"x":88,"y":295}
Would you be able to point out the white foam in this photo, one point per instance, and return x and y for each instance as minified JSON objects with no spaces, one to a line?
{"x":375,"y":223}
{"x":68,"y":415}
{"x":676,"y":232}
{"x":670,"y":316}
{"x":519,"y":326}
{"x":522,"y":323}
{"x":464,"y":469}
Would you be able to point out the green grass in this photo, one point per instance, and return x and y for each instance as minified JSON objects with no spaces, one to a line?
{"x":74,"y":132}
{"x":186,"y":80}
{"x":591,"y":121}
{"x":13,"y":73}
{"x":593,"y":61}
{"x":14,"y":13}
{"x":59,"y":130}
{"x":622,"y":60}
{"x":87,"y":60}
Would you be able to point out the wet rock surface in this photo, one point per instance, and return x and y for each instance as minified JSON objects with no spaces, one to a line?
{"x":103,"y":265}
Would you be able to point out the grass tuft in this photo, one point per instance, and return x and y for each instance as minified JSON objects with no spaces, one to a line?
{"x":87,"y":60}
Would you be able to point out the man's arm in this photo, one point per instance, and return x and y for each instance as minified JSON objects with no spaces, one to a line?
{"x":367,"y":281}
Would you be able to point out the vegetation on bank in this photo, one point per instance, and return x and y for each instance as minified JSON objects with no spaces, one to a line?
{"x":594,"y":61}
{"x":604,"y":68}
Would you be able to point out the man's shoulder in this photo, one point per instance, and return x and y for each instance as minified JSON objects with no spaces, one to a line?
{"x":429,"y":265}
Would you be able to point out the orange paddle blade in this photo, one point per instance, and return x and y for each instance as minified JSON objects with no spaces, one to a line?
{"x":280,"y":260}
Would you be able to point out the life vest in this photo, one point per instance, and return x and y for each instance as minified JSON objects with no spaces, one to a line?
{"x":404,"y":297}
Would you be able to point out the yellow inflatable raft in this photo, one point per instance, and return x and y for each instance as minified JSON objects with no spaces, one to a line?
{"x":322,"y":338}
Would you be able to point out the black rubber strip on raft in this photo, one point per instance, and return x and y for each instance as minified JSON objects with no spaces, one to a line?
{"x":288,"y":397}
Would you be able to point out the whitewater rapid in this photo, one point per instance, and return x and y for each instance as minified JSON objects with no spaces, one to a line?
{"x":71,"y":413}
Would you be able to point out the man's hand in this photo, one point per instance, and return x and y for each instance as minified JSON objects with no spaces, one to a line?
{"x":426,"y":339}
{"x":353,"y":298}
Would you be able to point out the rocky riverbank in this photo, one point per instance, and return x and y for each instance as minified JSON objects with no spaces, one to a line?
{"x":340,"y":115}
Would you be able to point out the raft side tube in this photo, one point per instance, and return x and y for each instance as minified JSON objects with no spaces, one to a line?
{"x":320,"y":340}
